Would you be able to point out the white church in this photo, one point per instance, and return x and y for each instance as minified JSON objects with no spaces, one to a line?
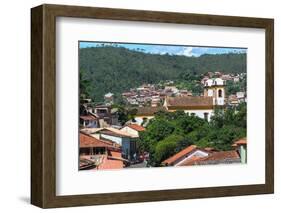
{"x":201,"y":106}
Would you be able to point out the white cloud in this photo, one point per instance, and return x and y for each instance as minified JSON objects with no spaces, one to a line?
{"x":187,"y":51}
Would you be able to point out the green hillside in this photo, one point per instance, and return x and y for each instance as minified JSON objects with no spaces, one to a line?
{"x":116,"y":69}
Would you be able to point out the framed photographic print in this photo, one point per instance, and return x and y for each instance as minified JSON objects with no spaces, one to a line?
{"x":137,"y":106}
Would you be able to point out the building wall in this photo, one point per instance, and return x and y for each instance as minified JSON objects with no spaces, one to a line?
{"x":139,"y":119}
{"x":200,"y":112}
{"x":188,"y":156}
{"x":112,"y":138}
{"x":243,"y":154}
{"x":130,"y":131}
{"x":123,"y":141}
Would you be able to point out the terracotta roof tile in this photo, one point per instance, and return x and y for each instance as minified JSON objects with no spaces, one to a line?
{"x":88,"y":117}
{"x":136,"y":127}
{"x":215,"y":158}
{"x":149,"y":111}
{"x":179,"y":155}
{"x":116,"y":132}
{"x":89,"y":141}
{"x":189,"y":102}
{"x":242,"y":141}
{"x":114,"y":162}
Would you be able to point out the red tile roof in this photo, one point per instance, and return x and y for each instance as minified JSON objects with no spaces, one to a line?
{"x":89,"y":141}
{"x":115,"y":133}
{"x":136,"y":127}
{"x":114,"y":162}
{"x":189,"y":102}
{"x":179,"y":155}
{"x":149,"y":111}
{"x":242,"y":141}
{"x":88,"y":117}
{"x":222,"y":155}
{"x":214,"y":158}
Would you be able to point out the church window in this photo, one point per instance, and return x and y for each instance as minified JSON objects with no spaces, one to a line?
{"x":220,"y":93}
{"x":206,"y":115}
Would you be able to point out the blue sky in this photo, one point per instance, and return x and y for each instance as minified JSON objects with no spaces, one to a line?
{"x":169,"y":49}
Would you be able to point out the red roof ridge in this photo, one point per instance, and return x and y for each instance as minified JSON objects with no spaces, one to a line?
{"x":136,"y":127}
{"x":179,"y":154}
{"x":216,"y":156}
{"x":242,"y":141}
{"x":86,"y":140}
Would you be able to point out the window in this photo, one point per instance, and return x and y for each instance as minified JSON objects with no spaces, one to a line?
{"x":220,"y":93}
{"x":206,"y":114}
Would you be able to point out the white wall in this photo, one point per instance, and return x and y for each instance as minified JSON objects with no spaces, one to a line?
{"x":200,"y":113}
{"x":130,"y":131}
{"x":15,"y":87}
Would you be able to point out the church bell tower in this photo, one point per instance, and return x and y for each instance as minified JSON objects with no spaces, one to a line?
{"x":215,"y":88}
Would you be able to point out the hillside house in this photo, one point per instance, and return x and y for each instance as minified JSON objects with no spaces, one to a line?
{"x":133,"y":129}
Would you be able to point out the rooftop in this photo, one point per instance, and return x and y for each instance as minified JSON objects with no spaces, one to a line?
{"x":189,"y":102}
{"x":88,"y":117}
{"x":149,"y":111}
{"x":242,"y":141}
{"x":136,"y":127}
{"x":179,"y":155}
{"x":215,"y":158}
{"x":86,"y":140}
{"x":111,"y":162}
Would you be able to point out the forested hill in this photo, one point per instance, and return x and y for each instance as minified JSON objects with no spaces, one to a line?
{"x":116,"y":69}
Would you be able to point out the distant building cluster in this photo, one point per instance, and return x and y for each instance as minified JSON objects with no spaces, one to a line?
{"x":152,"y":95}
{"x":225,"y":77}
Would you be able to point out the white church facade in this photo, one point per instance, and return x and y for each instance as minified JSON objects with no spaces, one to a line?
{"x":201,"y":106}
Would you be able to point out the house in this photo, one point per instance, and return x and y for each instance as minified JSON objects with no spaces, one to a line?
{"x":104,"y":114}
{"x":241,"y":147}
{"x":236,"y":79}
{"x":89,"y":121}
{"x":108,"y":98}
{"x":92,"y":146}
{"x":172,"y":89}
{"x":133,"y":129}
{"x":204,"y":79}
{"x":184,"y":155}
{"x":233,"y":100}
{"x":226,"y":77}
{"x":155,"y":100}
{"x":126,"y":141}
{"x":99,"y":154}
{"x":194,"y":105}
{"x":241,"y":96}
{"x":221,"y":157}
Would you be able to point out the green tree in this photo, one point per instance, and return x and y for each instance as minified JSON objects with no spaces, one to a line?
{"x":166,"y":148}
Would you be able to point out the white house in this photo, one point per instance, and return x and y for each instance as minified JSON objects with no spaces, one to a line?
{"x":133,"y":129}
{"x":190,"y":152}
{"x":89,"y":121}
